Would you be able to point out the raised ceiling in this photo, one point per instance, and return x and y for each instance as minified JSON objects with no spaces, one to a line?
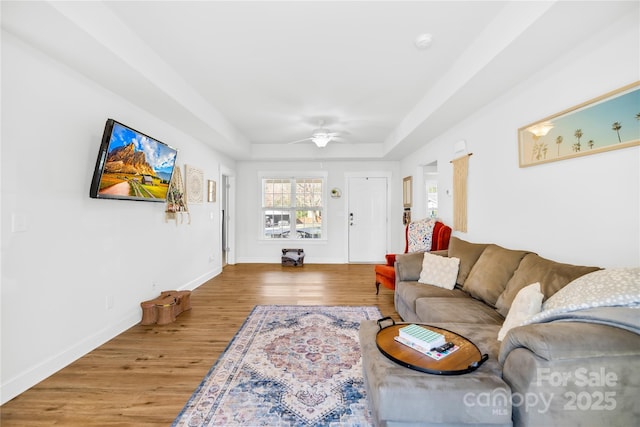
{"x":248,"y":78}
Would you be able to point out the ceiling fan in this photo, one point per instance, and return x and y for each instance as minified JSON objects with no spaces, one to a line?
{"x":320,"y":136}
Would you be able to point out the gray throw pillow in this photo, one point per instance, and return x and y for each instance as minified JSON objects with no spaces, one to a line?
{"x":490,"y":274}
{"x":468,"y":253}
{"x":409,"y":266}
{"x":551,"y":275}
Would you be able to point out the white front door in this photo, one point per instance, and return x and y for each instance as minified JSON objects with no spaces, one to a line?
{"x":367,"y":216}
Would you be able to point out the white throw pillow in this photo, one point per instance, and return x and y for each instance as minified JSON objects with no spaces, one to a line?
{"x":439,"y":271}
{"x":527,"y":303}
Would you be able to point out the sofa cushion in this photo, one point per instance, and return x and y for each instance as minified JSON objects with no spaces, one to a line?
{"x":527,"y":303}
{"x":490,"y":274}
{"x":409,"y":266}
{"x":608,"y":356}
{"x":407,"y":293}
{"x":411,"y":291}
{"x":468,"y":253}
{"x":439,"y":271}
{"x":566,"y":341}
{"x":551,"y":275}
{"x":459,"y":310}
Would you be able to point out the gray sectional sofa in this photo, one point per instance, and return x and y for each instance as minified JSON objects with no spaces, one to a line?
{"x":571,"y":367}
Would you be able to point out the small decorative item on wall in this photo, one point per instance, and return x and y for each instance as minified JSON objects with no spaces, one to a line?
{"x":406,"y":216}
{"x":608,"y":122}
{"x":407,"y":191}
{"x":211,"y":191}
{"x":460,"y":173}
{"x":336,"y":193}
{"x":195,"y":184}
{"x":176,"y":202}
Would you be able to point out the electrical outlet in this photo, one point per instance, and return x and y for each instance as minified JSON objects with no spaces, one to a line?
{"x":211,"y":258}
{"x":154,"y":285}
{"x":110,"y":302}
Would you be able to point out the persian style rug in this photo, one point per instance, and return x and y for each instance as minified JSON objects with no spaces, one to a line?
{"x":287,"y":366}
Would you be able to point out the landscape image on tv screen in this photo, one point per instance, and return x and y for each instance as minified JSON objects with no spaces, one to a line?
{"x":132,"y":165}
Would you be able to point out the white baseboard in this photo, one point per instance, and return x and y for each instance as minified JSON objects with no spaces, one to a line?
{"x":271,"y":260}
{"x":12,"y":387}
{"x":200,"y":280}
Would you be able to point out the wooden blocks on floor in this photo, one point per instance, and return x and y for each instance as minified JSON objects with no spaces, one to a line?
{"x":165,"y":308}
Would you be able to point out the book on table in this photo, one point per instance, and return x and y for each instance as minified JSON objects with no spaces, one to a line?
{"x":421,"y":336}
{"x":432,"y":353}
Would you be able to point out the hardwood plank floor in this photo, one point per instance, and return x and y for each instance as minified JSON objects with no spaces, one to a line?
{"x":144,"y":376}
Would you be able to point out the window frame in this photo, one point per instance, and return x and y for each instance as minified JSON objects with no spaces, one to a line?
{"x":293,"y":177}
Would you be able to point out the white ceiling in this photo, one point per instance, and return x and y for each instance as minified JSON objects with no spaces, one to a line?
{"x":250,"y":77}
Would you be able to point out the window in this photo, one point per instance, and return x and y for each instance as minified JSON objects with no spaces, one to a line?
{"x":292,"y":208}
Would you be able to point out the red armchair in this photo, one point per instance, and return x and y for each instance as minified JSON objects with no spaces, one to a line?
{"x":386,"y":274}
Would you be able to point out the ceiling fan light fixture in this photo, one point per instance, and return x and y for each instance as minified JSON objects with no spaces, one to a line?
{"x":321,"y":139}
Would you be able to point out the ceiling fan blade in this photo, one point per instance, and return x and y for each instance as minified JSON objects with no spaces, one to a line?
{"x":300,"y":140}
{"x":321,"y":136}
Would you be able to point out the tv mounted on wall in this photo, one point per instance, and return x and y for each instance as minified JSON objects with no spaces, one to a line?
{"x":132,"y":166}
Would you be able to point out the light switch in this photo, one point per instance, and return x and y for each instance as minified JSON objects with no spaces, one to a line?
{"x":18,"y":223}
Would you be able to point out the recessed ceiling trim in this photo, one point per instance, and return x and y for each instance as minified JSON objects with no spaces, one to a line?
{"x":100,"y":23}
{"x":512,"y":21}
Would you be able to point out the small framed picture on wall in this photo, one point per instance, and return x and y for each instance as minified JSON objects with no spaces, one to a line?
{"x":407,"y":191}
{"x":211,"y":191}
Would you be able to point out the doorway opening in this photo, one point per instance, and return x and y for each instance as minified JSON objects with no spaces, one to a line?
{"x":227,"y":207}
{"x":430,"y":176}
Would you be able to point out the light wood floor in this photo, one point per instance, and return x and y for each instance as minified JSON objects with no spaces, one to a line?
{"x":144,"y":376}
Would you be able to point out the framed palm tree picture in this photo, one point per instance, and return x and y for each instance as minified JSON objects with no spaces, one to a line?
{"x":608,"y":122}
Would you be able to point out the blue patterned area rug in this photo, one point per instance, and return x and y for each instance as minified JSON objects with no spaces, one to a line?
{"x":287,"y":366}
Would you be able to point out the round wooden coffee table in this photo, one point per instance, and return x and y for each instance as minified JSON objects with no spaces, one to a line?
{"x":466,"y":359}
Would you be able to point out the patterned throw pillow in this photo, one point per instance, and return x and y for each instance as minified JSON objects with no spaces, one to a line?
{"x":527,"y":303}
{"x":419,"y":235}
{"x":603,"y":288}
{"x":439,"y":271}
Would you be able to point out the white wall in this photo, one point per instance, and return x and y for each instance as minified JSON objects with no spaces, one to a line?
{"x":251,"y":248}
{"x":78,"y":254}
{"x":583,"y":210}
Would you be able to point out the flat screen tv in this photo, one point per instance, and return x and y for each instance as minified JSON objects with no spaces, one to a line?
{"x":132,"y":166}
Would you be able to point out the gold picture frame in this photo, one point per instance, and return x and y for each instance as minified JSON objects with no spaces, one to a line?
{"x":608,"y":122}
{"x":407,"y":190}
